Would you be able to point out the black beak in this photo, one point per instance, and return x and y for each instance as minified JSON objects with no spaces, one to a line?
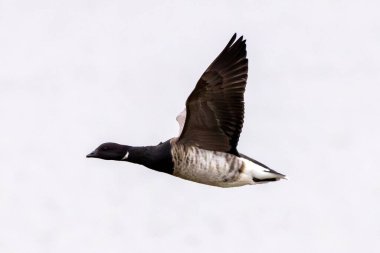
{"x":92,"y":154}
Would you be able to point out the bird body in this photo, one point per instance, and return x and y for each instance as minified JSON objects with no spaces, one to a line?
{"x":206,"y":149}
{"x":218,"y":168}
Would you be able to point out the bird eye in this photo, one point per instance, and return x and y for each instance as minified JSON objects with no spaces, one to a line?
{"x":104,"y":148}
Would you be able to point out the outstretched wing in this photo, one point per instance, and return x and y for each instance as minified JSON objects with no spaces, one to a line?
{"x":215,"y":108}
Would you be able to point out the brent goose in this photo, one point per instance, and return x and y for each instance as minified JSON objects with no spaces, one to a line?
{"x":210,"y":126}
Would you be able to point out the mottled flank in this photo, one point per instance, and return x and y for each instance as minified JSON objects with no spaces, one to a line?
{"x":208,"y":167}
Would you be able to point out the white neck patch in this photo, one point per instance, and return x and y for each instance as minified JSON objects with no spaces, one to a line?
{"x":126,"y":156}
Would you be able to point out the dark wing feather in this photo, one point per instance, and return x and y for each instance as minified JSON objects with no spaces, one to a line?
{"x":215,"y":108}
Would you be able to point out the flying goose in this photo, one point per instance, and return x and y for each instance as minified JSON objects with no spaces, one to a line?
{"x":205,"y":150}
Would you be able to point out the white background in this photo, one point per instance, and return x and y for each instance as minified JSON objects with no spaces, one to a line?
{"x":74,"y":74}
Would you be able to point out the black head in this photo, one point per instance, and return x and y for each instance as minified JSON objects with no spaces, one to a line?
{"x":110,"y":151}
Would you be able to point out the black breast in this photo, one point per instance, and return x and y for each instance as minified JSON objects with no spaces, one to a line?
{"x":160,"y":158}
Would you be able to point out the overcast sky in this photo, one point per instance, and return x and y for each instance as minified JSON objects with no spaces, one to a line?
{"x":77,"y":73}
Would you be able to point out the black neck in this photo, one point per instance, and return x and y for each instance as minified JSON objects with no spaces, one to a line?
{"x":154,"y":157}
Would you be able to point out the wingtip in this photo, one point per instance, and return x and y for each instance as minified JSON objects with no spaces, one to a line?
{"x":232,"y":40}
{"x":240,"y":40}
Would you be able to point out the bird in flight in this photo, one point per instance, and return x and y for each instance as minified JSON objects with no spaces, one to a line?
{"x":206,"y":149}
